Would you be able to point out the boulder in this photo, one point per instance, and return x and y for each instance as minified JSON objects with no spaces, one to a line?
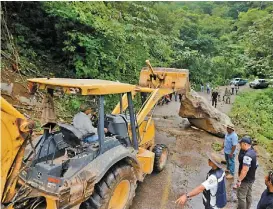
{"x":203,"y":115}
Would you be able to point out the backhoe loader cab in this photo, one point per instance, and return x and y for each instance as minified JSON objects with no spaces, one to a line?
{"x":68,"y":172}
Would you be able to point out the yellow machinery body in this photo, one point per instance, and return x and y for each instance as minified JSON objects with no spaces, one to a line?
{"x":156,"y":83}
{"x":14,"y":131}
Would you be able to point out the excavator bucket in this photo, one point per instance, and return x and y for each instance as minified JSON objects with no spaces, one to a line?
{"x":159,"y":77}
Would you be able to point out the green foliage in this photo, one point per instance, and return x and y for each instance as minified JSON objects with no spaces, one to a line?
{"x":254,"y":112}
{"x":216,"y":41}
{"x":258,"y":43}
{"x":111,"y":40}
{"x":216,"y":146}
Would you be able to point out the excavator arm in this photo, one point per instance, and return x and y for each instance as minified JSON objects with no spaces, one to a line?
{"x":156,"y":95}
{"x":157,"y":82}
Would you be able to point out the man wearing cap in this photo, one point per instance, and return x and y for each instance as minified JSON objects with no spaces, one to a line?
{"x":266,"y":201}
{"x":246,"y":174}
{"x":230,"y":143}
{"x":214,"y":189}
{"x":83,"y":123}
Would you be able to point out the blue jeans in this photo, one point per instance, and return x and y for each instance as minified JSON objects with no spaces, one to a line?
{"x":90,"y":139}
{"x":230,"y":163}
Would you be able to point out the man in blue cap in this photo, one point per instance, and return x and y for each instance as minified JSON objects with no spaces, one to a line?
{"x":246,"y":176}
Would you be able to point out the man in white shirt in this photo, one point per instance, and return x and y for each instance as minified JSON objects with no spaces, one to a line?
{"x":82,"y":122}
{"x":214,"y":191}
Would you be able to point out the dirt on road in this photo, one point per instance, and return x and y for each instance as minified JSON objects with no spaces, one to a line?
{"x":187,"y":164}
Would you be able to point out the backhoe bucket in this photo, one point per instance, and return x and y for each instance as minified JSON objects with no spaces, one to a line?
{"x":159,"y":77}
{"x":177,"y":79}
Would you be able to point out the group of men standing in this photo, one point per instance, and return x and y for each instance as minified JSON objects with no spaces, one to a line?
{"x":214,"y":191}
{"x":215,"y":95}
{"x":247,"y":166}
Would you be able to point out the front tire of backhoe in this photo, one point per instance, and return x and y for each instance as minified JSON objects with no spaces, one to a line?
{"x":161,"y":157}
{"x":116,"y":190}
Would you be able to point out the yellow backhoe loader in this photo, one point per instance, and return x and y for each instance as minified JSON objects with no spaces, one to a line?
{"x":64,"y":172}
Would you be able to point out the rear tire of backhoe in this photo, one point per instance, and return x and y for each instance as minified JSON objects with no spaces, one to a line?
{"x":161,"y":157}
{"x":116,"y":190}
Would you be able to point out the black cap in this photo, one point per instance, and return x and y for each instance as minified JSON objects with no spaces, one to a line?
{"x":246,"y":139}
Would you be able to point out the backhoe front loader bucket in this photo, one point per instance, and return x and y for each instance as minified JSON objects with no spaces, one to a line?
{"x":159,"y":77}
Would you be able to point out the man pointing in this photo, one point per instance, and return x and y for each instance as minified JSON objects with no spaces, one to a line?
{"x":214,"y":189}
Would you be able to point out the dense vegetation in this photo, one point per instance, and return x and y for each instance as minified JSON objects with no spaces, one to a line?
{"x":111,"y":40}
{"x":254,"y":111}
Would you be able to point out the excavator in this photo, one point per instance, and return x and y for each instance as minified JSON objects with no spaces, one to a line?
{"x":61,"y":171}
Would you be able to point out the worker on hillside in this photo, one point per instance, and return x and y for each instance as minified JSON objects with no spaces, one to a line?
{"x":237,"y":88}
{"x":246,"y":176}
{"x":208,"y":88}
{"x":266,"y":201}
{"x":214,"y":188}
{"x":175,"y":96}
{"x":214,"y":96}
{"x":225,"y":94}
{"x":232,"y":88}
{"x":171,"y":96}
{"x":82,"y":122}
{"x":228,"y":96}
{"x":202,"y":87}
{"x":167,"y":99}
{"x":180,"y":97}
{"x":219,"y":96}
{"x":229,"y":145}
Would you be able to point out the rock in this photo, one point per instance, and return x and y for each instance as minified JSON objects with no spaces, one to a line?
{"x":203,"y":115}
{"x":32,"y":101}
{"x":7,"y":87}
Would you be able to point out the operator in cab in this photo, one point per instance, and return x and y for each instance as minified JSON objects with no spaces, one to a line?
{"x":82,"y":122}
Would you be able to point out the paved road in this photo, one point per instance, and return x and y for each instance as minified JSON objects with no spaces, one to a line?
{"x":222,"y":106}
{"x":187,"y":163}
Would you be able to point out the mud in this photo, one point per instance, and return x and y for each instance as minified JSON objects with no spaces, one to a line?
{"x":187,"y":165}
